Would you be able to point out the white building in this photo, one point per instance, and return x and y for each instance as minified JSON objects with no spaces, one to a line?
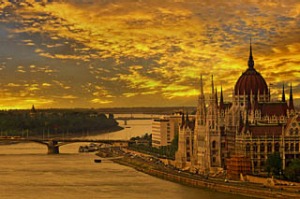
{"x":164,"y":130}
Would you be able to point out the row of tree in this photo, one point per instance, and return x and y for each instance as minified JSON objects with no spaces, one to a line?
{"x":20,"y":122}
{"x":163,"y":151}
{"x":291,"y":172}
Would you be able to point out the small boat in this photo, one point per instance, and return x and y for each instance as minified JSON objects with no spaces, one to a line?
{"x":97,"y":160}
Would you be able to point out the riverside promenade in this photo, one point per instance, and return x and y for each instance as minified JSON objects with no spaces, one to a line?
{"x":155,"y":167}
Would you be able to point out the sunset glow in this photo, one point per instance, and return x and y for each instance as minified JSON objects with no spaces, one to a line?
{"x":108,"y":53}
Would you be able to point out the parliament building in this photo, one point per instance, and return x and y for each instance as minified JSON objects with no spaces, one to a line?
{"x":244,"y":131}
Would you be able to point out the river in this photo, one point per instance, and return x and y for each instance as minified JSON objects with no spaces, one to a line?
{"x":26,"y":171}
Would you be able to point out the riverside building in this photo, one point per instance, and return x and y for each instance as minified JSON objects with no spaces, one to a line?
{"x":164,"y":130}
{"x":249,"y":128}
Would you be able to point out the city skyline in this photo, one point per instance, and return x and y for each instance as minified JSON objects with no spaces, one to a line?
{"x":106,"y":53}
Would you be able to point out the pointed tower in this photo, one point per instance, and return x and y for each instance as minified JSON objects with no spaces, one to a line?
{"x":250,"y":60}
{"x":291,"y":101}
{"x":200,"y":156}
{"x":283,"y":94}
{"x":221,"y":100}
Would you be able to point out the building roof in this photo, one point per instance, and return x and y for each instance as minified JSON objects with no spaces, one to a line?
{"x":268,"y":130}
{"x":273,"y":108}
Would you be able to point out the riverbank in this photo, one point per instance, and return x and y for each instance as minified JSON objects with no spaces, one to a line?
{"x":155,"y":167}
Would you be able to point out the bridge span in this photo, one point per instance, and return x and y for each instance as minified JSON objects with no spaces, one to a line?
{"x":53,"y":144}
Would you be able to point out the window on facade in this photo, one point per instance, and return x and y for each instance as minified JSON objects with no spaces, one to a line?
{"x":248,"y":148}
{"x":292,"y":147}
{"x":277,"y":147}
{"x":262,"y":147}
{"x":286,"y":147}
{"x":296,"y":131}
{"x":291,"y":131}
{"x":214,"y":159}
{"x":223,"y":145}
{"x":269,"y":148}
{"x":262,"y":163}
{"x":297,"y":147}
{"x":255,"y":164}
{"x":254,"y":147}
{"x":214,"y":144}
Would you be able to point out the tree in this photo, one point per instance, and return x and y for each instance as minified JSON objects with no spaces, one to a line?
{"x":292,"y":172}
{"x":274,"y":164}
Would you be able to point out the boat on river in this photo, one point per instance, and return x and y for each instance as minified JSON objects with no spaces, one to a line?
{"x":97,"y":160}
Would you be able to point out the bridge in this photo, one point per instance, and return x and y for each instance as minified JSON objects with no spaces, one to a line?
{"x":125,"y":119}
{"x":53,"y":144}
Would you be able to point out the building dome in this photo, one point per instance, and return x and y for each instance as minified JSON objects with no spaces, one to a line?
{"x":251,"y":81}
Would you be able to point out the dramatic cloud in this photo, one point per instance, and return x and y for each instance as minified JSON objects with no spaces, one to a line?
{"x":95,"y":53}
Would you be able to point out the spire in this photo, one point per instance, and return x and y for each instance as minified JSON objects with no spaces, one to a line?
{"x":250,"y":61}
{"x":33,"y":109}
{"x":221,"y":99}
{"x":212,"y":84}
{"x":216,"y":97}
{"x":187,"y":117}
{"x":283,"y":94}
{"x":291,"y":104}
{"x":201,"y":85}
{"x":182,"y":120}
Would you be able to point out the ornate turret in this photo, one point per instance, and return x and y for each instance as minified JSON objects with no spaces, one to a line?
{"x":291,"y":101}
{"x":283,"y":94}
{"x":221,"y":99}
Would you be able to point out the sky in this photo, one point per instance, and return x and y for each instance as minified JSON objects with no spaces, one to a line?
{"x":131,"y":53}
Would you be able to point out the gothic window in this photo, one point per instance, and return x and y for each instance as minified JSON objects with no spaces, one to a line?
{"x":262,"y":163}
{"x":277,"y":147}
{"x":297,"y":147}
{"x":269,"y":148}
{"x":223,"y":145}
{"x":248,"y":148}
{"x":291,"y":131}
{"x":187,"y":141}
{"x":214,"y":159}
{"x":255,"y":164}
{"x":286,"y":147}
{"x":262,"y":147}
{"x":296,"y":131}
{"x":214,"y":144}
{"x":254,"y":148}
{"x":292,"y":147}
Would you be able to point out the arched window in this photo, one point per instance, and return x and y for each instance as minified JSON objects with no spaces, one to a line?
{"x":269,"y":148}
{"x":254,"y":148}
{"x":291,"y":131}
{"x":292,"y":147}
{"x":296,"y":131}
{"x":277,"y":147}
{"x":297,"y":147}
{"x":214,"y":159}
{"x":286,"y":147}
{"x":262,"y":147}
{"x":248,"y":148}
{"x":214,"y":144}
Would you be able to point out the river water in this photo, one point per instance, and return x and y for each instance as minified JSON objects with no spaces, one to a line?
{"x":26,"y":171}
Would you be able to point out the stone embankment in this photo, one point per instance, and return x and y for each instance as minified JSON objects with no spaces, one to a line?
{"x":155,"y":167}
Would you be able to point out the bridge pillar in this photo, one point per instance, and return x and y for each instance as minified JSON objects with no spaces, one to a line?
{"x":53,"y":148}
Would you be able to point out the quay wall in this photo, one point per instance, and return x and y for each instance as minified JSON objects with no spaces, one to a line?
{"x":216,"y":186}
